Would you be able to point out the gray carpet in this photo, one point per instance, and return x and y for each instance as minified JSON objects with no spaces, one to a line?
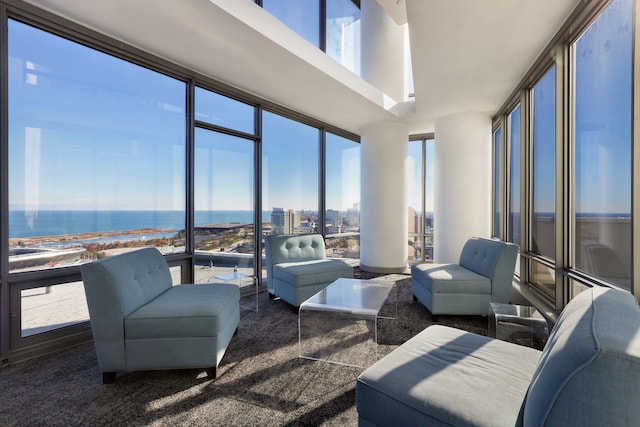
{"x":261,"y":381}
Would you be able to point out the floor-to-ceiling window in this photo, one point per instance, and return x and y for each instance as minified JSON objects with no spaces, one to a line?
{"x":330,"y":25}
{"x":497,"y":176}
{"x":543,"y":183}
{"x":343,"y":33}
{"x":420,"y":193}
{"x":224,"y":194}
{"x":96,"y":155}
{"x":579,"y":159}
{"x":290,"y":179}
{"x":602,"y":127}
{"x":513,"y":124}
{"x":106,"y":155}
{"x":303,"y":17}
{"x":342,"y":195}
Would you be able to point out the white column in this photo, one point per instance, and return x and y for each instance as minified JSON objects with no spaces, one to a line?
{"x":382,"y":50}
{"x":383,"y":202}
{"x":462,"y":183}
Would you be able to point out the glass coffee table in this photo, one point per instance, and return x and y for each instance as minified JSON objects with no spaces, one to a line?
{"x":340,"y":323}
{"x":519,"y":324}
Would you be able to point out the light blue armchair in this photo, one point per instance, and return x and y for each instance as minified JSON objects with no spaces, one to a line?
{"x":484,"y":274}
{"x":298,"y":268}
{"x":141,"y":322}
{"x":587,"y":375}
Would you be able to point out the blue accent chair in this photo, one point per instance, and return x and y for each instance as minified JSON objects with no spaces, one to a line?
{"x":140,"y":321}
{"x":484,"y":274}
{"x":298,"y":268}
{"x":587,"y":375}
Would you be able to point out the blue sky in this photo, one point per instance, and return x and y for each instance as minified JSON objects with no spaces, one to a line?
{"x":603,"y":57}
{"x":89,"y":131}
{"x":544,"y":133}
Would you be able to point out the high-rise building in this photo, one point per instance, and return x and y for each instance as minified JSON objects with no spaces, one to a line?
{"x":353,"y":216}
{"x":277,"y":221}
{"x":332,"y":221}
{"x":284,"y":222}
{"x":292,"y":221}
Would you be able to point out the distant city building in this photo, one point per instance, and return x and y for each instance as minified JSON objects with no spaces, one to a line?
{"x":332,"y":222}
{"x":415,"y":219}
{"x":420,"y":240}
{"x":429,"y":220}
{"x":284,"y":222}
{"x":353,"y":216}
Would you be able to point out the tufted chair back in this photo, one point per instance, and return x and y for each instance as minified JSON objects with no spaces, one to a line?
{"x":281,"y":248}
{"x":493,"y":259}
{"x":114,"y":288}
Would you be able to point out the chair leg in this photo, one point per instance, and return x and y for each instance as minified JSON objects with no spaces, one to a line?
{"x":415,"y":298}
{"x":271,"y":296}
{"x":108,"y":377}
{"x":211,"y":373}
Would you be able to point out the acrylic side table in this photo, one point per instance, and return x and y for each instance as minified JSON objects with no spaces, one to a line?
{"x":519,"y":324}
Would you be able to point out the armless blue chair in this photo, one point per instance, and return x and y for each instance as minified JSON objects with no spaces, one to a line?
{"x":484,"y":274}
{"x":140,"y":321}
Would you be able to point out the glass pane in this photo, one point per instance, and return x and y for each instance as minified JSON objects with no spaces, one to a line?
{"x":416,"y":248}
{"x":52,"y":307}
{"x":544,"y":278}
{"x":96,"y":153}
{"x":497,"y":167}
{"x":302,"y":16}
{"x":429,"y":195}
{"x":575,"y":288}
{"x":224,"y":203}
{"x":290,"y":162}
{"x":514,"y":144}
{"x":219,"y":110}
{"x":420,"y":192}
{"x":342,"y":197}
{"x":415,"y":192}
{"x":543,"y":240}
{"x":603,"y":96}
{"x":343,"y":33}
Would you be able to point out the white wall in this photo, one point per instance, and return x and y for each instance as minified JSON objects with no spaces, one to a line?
{"x":383,"y":206}
{"x":462,"y":183}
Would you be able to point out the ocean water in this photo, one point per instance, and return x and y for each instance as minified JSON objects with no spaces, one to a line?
{"x":56,"y":222}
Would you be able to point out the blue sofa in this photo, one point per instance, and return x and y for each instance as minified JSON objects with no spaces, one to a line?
{"x":483,"y":275}
{"x":298,"y":268}
{"x":587,"y":375}
{"x":140,"y":321}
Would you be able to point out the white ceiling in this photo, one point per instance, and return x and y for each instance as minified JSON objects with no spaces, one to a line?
{"x":467,"y":55}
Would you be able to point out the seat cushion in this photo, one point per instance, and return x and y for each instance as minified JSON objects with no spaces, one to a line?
{"x":184,"y":311}
{"x":446,"y":376}
{"x":308,"y":273}
{"x":450,"y":278}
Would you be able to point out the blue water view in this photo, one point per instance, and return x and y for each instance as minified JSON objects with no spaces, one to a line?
{"x":24,"y":223}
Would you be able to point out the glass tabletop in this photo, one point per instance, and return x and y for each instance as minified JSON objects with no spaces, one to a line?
{"x":523,"y":311}
{"x":233,"y":275}
{"x":351,"y":296}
